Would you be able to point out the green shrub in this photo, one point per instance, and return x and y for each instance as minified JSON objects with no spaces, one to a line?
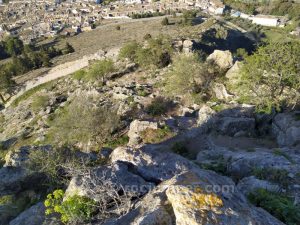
{"x":189,"y":77}
{"x":147,"y":36}
{"x":83,"y":123}
{"x":189,"y":16}
{"x":153,"y":136}
{"x":219,"y":166}
{"x":159,"y":106}
{"x":279,"y":152}
{"x":120,"y":141}
{"x":165,"y":21}
{"x":279,"y":176}
{"x":180,"y":148}
{"x":39,"y":102}
{"x":156,"y":54}
{"x":79,"y":75}
{"x":270,"y":78}
{"x":280,"y":206}
{"x":100,"y":69}
{"x":129,"y":50}
{"x":73,"y":209}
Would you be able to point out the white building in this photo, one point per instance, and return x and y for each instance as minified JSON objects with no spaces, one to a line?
{"x":265,"y":20}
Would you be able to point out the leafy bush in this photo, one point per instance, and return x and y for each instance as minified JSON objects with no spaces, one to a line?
{"x":116,"y":142}
{"x":100,"y":69}
{"x":129,"y":50}
{"x":219,"y":165}
{"x":189,"y":77}
{"x":160,"y":106}
{"x":83,"y":124}
{"x":279,"y":176}
{"x":53,"y":165}
{"x":278,"y":205}
{"x":180,"y":148}
{"x":156,"y":54}
{"x":156,"y":135}
{"x":79,"y":75}
{"x":73,"y":209}
{"x":270,"y":78}
{"x":68,"y":49}
{"x":165,"y":21}
{"x":188,"y":16}
{"x":39,"y":102}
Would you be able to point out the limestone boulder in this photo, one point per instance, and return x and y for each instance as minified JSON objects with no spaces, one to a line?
{"x":117,"y":175}
{"x":221,"y":92}
{"x":223,"y":59}
{"x":233,"y":74}
{"x":232,"y":126}
{"x":197,"y":200}
{"x":136,"y":127}
{"x":286,"y":129}
{"x":35,"y":215}
{"x":188,"y":46}
{"x":151,"y":164}
{"x":251,"y":184}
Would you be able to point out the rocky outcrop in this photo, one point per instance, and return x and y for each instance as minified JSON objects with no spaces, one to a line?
{"x":233,"y":74}
{"x":251,"y":184}
{"x":136,"y":127}
{"x":286,"y":129}
{"x":186,"y":193}
{"x":234,"y":121}
{"x":188,"y":46}
{"x":35,"y":215}
{"x":240,"y":163}
{"x":150,"y":164}
{"x":221,"y":92}
{"x":223,"y":59}
{"x":117,"y":175}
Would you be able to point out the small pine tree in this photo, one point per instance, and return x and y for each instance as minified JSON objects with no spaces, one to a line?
{"x":165,"y":21}
{"x":68,"y":48}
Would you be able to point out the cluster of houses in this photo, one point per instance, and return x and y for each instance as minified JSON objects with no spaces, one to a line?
{"x":264,"y":20}
{"x":31,"y":19}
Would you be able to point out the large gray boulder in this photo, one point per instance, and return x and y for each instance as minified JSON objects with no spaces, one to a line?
{"x":136,"y":127}
{"x":286,"y":129}
{"x":223,"y":59}
{"x":240,"y":163}
{"x":115,"y":176}
{"x":35,"y":215}
{"x":251,"y":184}
{"x":232,"y":126}
{"x":16,"y":179}
{"x":231,"y":121}
{"x":150,"y":164}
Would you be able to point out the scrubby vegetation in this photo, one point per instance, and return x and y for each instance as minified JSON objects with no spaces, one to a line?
{"x":83,"y":124}
{"x":270,"y":79}
{"x":156,"y":136}
{"x":157,"y":53}
{"x":280,"y":206}
{"x":23,"y":59}
{"x":160,"y":106}
{"x":191,"y":78}
{"x":100,"y":69}
{"x":279,"y":176}
{"x":74,"y":209}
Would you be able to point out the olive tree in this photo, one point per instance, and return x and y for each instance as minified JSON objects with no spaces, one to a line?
{"x":271,"y":76}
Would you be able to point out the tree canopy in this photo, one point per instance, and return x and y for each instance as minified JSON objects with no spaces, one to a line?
{"x":270,"y":72}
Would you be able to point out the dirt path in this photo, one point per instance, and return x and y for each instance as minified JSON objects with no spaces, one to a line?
{"x":63,"y":70}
